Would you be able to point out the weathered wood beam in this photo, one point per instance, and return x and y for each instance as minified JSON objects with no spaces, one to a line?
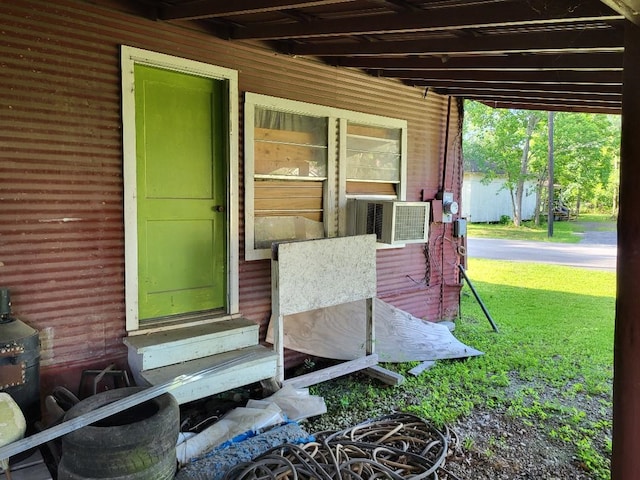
{"x":486,"y":94}
{"x":600,"y":40}
{"x":625,"y":461}
{"x":552,"y":108}
{"x":551,"y":76}
{"x":629,"y":8}
{"x":453,"y":18}
{"x":332,"y":372}
{"x":544,"y":101}
{"x":519,"y":86}
{"x":213,"y":8}
{"x":565,"y":61}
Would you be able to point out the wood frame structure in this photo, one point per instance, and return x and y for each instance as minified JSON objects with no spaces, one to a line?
{"x":533,"y":49}
{"x":321,"y":273}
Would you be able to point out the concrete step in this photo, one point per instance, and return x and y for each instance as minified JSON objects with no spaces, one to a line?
{"x":225,"y":371}
{"x":160,"y":349}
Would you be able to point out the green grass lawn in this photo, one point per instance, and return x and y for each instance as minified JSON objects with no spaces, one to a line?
{"x":563,"y":232}
{"x":550,"y":365}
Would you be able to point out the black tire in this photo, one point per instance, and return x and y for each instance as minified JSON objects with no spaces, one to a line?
{"x":164,"y":470}
{"x":131,"y":444}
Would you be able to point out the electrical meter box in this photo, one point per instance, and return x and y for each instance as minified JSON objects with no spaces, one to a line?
{"x":460,"y":227}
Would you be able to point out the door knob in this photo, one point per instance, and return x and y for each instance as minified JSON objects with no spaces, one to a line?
{"x":218,"y":208}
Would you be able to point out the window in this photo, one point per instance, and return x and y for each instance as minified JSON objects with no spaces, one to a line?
{"x":304,"y":161}
{"x":373,"y":160}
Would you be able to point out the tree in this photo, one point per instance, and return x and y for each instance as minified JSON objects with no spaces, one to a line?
{"x":586,"y":154}
{"x":513,"y":143}
{"x":504,"y":142}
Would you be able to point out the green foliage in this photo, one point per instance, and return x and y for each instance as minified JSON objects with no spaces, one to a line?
{"x":586,"y":152}
{"x":552,"y":357}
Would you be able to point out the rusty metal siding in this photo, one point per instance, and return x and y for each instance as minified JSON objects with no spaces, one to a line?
{"x":61,"y":220}
{"x":61,"y":231}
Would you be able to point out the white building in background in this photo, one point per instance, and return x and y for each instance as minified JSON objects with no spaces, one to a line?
{"x":489,"y":202}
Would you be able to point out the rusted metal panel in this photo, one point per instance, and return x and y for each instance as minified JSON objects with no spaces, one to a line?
{"x":61,"y":222}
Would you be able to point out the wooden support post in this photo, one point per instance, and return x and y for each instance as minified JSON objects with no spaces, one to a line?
{"x":278,"y":318}
{"x":370,"y":331}
{"x":626,"y":384}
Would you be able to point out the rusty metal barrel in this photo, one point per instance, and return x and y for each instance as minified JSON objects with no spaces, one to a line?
{"x":19,"y":361}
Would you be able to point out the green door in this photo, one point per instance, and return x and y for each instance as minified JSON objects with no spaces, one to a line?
{"x":181,"y":193}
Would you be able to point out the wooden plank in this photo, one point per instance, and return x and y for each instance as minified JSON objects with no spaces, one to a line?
{"x":332,"y":372}
{"x":385,"y":375}
{"x":160,"y":349}
{"x":273,"y":189}
{"x":625,"y":461}
{"x":371,"y":188}
{"x":270,"y":157}
{"x":285,"y":136}
{"x":315,"y":216}
{"x":284,"y":198}
{"x":289,"y":204}
{"x":261,"y":365}
{"x":330,"y":271}
{"x":277,"y":330}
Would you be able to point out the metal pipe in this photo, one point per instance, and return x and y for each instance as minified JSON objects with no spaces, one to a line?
{"x":475,"y":294}
{"x":113,"y":408}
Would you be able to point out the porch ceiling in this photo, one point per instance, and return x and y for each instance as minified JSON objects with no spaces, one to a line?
{"x":533,"y":54}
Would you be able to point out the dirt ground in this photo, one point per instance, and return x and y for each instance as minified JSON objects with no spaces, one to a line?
{"x":500,"y":448}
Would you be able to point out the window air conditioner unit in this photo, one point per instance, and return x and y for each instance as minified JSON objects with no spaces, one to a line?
{"x":394,"y":223}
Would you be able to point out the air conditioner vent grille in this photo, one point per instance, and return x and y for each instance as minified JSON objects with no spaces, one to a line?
{"x":409,"y":222}
{"x":393,"y":222}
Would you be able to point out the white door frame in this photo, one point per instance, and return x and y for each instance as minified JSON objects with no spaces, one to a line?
{"x":129,"y":57}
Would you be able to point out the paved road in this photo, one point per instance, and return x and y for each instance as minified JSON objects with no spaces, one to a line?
{"x":597,"y":250}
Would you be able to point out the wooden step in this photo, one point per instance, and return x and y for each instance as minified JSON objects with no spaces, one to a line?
{"x":252,"y":364}
{"x":169,"y":347}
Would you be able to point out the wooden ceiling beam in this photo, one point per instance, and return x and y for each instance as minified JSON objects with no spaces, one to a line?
{"x":594,"y":90}
{"x":629,"y":8}
{"x":506,"y":93}
{"x":216,"y":8}
{"x":569,"y":61}
{"x":597,"y":77}
{"x":550,"y":107}
{"x":598,"y":40}
{"x":459,"y":17}
{"x":545,"y":101}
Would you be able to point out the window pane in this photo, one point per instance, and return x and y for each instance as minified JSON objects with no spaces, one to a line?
{"x":372,"y":166}
{"x":373,"y":153}
{"x":289,"y":144}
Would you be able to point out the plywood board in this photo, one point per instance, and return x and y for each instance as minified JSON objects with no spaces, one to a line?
{"x":338,"y":332}
{"x":321,"y":273}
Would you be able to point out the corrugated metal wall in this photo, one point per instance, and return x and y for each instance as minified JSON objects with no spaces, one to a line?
{"x":61,"y":218}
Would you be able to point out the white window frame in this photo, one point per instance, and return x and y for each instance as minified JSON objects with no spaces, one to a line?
{"x":335,"y":196}
{"x":129,"y":56}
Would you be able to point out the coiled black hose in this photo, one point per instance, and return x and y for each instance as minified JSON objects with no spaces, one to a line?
{"x":399,"y":446}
